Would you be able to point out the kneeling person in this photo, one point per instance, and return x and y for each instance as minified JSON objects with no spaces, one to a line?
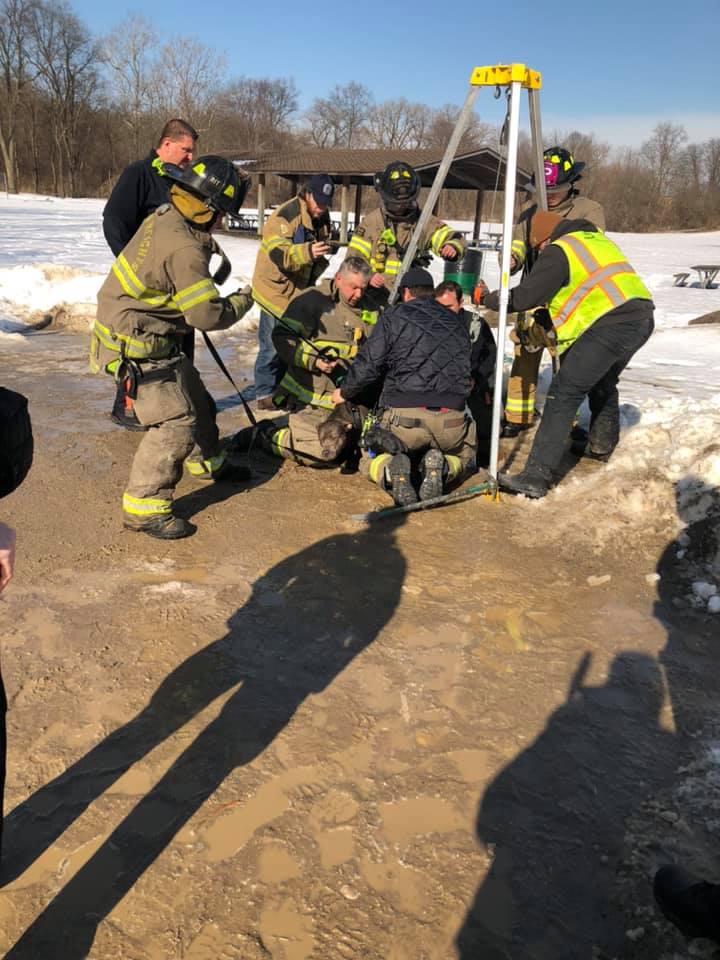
{"x":317,"y":340}
{"x":419,"y":355}
{"x":159,"y":288}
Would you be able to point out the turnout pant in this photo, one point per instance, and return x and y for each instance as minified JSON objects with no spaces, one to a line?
{"x":522,"y":385}
{"x":298,"y":439}
{"x":180,"y":416}
{"x":452,"y":432}
{"x":591,"y":367}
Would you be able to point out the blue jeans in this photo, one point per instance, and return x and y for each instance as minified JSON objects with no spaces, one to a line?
{"x":269,"y":368}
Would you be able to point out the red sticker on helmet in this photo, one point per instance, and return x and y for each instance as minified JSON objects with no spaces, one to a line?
{"x":552,"y":171}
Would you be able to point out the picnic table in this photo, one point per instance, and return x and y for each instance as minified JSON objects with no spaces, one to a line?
{"x":707,"y":273}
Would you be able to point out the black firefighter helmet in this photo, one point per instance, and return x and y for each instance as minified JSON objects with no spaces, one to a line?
{"x":399,"y":187}
{"x":561,"y":170}
{"x":214,"y":180}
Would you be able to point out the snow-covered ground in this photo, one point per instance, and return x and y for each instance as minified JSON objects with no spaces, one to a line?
{"x":53,"y":252}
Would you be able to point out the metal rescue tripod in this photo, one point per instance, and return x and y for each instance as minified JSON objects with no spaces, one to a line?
{"x":514,"y":77}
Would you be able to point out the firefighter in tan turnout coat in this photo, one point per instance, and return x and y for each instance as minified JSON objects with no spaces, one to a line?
{"x":384,"y":235}
{"x":158,"y":288}
{"x":291,"y":258}
{"x":318,"y":338}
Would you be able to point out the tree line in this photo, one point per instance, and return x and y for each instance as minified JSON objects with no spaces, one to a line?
{"x":75,"y":109}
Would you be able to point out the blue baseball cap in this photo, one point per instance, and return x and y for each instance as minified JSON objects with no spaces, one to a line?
{"x":322,"y":188}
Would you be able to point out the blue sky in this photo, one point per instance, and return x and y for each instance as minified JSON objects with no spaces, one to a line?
{"x":613,"y":68}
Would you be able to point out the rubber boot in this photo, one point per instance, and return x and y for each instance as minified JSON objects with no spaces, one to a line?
{"x":250,"y":436}
{"x":232,"y":472}
{"x":531,"y":482}
{"x":692,"y":905}
{"x":512,"y":430}
{"x":165,"y":527}
{"x":432,"y":470}
{"x":397,"y":474}
{"x":578,"y":441}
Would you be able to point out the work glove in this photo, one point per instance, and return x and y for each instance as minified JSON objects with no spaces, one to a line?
{"x":241,"y":301}
{"x":536,"y":331}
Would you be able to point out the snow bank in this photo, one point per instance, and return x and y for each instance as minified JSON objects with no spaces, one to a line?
{"x":663,"y":478}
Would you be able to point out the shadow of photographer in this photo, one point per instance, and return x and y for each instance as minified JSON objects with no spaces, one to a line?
{"x":307,"y":619}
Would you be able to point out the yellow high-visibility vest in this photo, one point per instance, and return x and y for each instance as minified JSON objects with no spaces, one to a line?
{"x":601,"y":279}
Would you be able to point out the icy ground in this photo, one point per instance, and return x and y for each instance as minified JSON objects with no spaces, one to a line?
{"x":53,"y":252}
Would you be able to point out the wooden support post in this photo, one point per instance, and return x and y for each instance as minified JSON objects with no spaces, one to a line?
{"x":358,"y":204}
{"x":478,"y":213}
{"x":344,"y":208}
{"x":261,"y":204}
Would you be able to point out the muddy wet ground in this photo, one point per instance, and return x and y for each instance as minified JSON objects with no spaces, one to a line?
{"x":291,"y":736}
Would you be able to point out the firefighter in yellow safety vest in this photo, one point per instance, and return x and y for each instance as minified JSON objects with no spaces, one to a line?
{"x":562,"y":172}
{"x":598,"y":313}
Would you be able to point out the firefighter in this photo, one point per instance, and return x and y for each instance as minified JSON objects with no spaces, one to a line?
{"x":599,"y":313}
{"x":562,"y":173}
{"x":292,"y":256}
{"x":158,"y":289}
{"x":384,"y":235}
{"x":317,"y":339}
{"x":141,"y":188}
{"x":419,"y":356}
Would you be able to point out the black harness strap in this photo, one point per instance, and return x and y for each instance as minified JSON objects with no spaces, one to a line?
{"x":219,"y":361}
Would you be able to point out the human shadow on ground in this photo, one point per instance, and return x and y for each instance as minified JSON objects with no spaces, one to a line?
{"x":691,"y":659}
{"x":553,"y":821}
{"x":691,"y":653}
{"x":307,"y":619}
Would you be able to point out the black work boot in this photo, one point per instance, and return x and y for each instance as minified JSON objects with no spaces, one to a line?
{"x":578,"y":441}
{"x":432,"y":470}
{"x":512,"y":430}
{"x":232,"y":472}
{"x":251,"y":436}
{"x":530,"y":482}
{"x":397,"y":473}
{"x":165,"y":527}
{"x":692,"y":905}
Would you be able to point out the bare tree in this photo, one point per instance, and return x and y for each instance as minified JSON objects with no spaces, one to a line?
{"x":443,"y":122}
{"x":662,"y":153}
{"x":711,"y":154}
{"x":65,"y":57}
{"x":398,"y":124}
{"x":16,"y":74}
{"x":186,"y":80}
{"x":256,"y":114}
{"x":128,"y":54}
{"x":340,"y":119}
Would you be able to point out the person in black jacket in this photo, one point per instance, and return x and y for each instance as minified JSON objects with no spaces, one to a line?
{"x":598,"y":314}
{"x":16,"y":456}
{"x":419,"y":356}
{"x":141,"y":188}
